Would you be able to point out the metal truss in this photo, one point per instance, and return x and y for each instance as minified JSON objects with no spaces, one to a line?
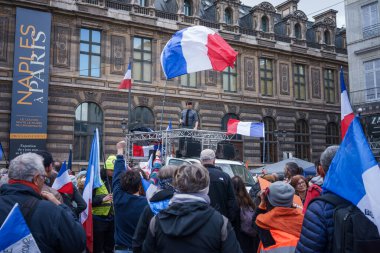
{"x":208,"y":139}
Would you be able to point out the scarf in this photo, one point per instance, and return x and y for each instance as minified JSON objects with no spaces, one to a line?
{"x":26,"y":183}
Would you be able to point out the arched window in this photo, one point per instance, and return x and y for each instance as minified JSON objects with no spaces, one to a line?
{"x":302,"y":140}
{"x":224,"y":122}
{"x":228,"y":16}
{"x":264,"y":24}
{"x":332,"y":134}
{"x":327,"y":37}
{"x":270,"y":148}
{"x":297,"y":31}
{"x":142,"y":116}
{"x":88,"y":117}
{"x":187,"y":8}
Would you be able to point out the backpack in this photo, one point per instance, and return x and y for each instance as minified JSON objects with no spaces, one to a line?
{"x":246,"y":215}
{"x":353,"y":231}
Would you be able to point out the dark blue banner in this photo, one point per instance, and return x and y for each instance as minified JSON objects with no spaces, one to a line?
{"x":30,"y":82}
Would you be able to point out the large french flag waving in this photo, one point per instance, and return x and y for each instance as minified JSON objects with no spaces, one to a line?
{"x":195,"y":49}
{"x":62,"y":183}
{"x":253,"y":129}
{"x":355,"y":175}
{"x":346,"y":113}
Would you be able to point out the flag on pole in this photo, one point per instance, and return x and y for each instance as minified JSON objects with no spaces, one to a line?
{"x":70,"y":162}
{"x":253,"y":129}
{"x":195,"y":49}
{"x":126,"y":83}
{"x":15,"y":235}
{"x":346,"y":113}
{"x":355,"y":175}
{"x":92,"y":182}
{"x":63,"y":183}
{"x":170,"y":127}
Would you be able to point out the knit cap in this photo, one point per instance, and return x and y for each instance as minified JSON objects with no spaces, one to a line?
{"x":281,"y":194}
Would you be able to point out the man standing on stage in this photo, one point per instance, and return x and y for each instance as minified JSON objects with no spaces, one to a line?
{"x":189,"y":117}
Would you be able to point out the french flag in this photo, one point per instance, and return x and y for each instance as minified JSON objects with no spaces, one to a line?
{"x":141,"y":151}
{"x":92,"y":182}
{"x":15,"y":235}
{"x":126,"y":83}
{"x":354,"y":174}
{"x":62,"y":183}
{"x":346,"y":113}
{"x":253,"y":129}
{"x":195,"y":49}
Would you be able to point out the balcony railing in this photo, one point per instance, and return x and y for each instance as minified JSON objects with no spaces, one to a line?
{"x":248,"y":31}
{"x":229,"y":28}
{"x":94,"y":2}
{"x":371,"y":31}
{"x":189,"y":20}
{"x":209,"y":24}
{"x":341,"y":50}
{"x":118,"y":5}
{"x":166,"y":15}
{"x":141,"y":10}
{"x":365,"y":96}
{"x":313,"y":45}
{"x":282,"y":38}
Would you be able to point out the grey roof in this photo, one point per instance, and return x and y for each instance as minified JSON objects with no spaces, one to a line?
{"x":279,"y":166}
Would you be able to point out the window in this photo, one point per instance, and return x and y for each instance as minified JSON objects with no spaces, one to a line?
{"x":372,"y":79}
{"x":266,"y":77}
{"x":89,"y":59}
{"x":327,"y":37}
{"x":302,"y":140}
{"x":230,"y":79}
{"x":297,"y":31}
{"x":142,"y":60}
{"x":224,"y":122}
{"x":189,"y":80}
{"x":264,"y":24}
{"x":88,"y":117}
{"x":143,"y":117}
{"x":299,"y":82}
{"x":228,"y":16}
{"x":270,"y":142}
{"x":329,"y":86}
{"x":143,"y":3}
{"x":332,"y":134}
{"x":370,"y":19}
{"x":187,"y":10}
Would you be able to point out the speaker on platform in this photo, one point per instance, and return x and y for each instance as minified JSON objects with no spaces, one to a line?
{"x":191,"y":148}
{"x":225,"y":150}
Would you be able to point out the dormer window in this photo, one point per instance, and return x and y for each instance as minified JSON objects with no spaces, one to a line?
{"x":297,"y":31}
{"x":228,"y":16}
{"x":327,"y":37}
{"x":264,"y":24}
{"x":187,"y":8}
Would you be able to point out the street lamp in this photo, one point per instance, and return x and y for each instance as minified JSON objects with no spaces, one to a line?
{"x":280,"y":134}
{"x":123,"y":125}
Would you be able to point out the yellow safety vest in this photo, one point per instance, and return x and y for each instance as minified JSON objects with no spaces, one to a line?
{"x":105,"y":207}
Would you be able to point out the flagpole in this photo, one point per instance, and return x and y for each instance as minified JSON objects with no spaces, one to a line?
{"x":264,"y":149}
{"x":129,"y":109}
{"x":162,"y":114}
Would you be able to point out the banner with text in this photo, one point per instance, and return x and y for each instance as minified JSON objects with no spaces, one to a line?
{"x":30,"y":82}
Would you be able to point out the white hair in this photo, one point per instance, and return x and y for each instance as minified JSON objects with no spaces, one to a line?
{"x":26,"y":166}
{"x":327,"y":156}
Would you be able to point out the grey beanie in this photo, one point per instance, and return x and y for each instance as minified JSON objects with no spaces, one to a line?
{"x":281,"y":194}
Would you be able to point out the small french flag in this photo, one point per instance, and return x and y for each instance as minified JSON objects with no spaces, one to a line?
{"x":62,"y":183}
{"x":346,"y":113}
{"x":126,"y":83}
{"x":253,"y":129}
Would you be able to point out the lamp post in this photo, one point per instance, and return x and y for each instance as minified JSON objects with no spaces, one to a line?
{"x":123,"y":125}
{"x":280,"y":134}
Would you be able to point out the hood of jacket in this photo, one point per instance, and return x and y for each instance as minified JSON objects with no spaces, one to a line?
{"x":183,"y":219}
{"x":18,"y":189}
{"x":162,"y":195}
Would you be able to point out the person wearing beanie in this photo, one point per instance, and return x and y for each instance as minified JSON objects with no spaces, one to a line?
{"x":277,"y":222}
{"x":189,"y":224}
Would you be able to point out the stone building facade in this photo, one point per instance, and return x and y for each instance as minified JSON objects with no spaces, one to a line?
{"x":286,"y":73}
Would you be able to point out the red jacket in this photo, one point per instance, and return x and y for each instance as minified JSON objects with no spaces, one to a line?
{"x":313,"y":192}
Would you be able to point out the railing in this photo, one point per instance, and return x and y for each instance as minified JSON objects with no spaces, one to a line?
{"x":141,"y":10}
{"x":118,"y":5}
{"x":248,"y":31}
{"x":365,"y":96}
{"x":266,"y":35}
{"x":328,"y":48}
{"x":190,"y":20}
{"x":313,"y":45}
{"x":166,"y":15}
{"x":371,"y":31}
{"x":95,"y":2}
{"x":209,"y":24}
{"x":229,"y":28}
{"x":341,"y":50}
{"x":282,"y":38}
{"x":299,"y":42}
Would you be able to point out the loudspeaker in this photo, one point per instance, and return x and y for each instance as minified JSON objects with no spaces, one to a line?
{"x":190,"y":148}
{"x":225,"y":151}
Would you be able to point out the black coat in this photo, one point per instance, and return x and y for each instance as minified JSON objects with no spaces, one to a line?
{"x":76,"y":197}
{"x":190,"y":227}
{"x":222,"y":194}
{"x":55,"y":228}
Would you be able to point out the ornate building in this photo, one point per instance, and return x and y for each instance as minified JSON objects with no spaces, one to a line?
{"x":286,"y":73}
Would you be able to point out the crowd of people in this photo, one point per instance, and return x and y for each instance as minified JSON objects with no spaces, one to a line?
{"x":195,"y":208}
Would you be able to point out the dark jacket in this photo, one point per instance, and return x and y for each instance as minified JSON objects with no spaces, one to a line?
{"x":146,"y":216}
{"x":190,"y":227}
{"x":317,"y":228}
{"x":128,"y":208}
{"x":54,"y":228}
{"x":80,"y":204}
{"x":222,"y":194}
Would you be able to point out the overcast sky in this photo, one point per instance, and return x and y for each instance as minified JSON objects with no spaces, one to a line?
{"x":311,"y":7}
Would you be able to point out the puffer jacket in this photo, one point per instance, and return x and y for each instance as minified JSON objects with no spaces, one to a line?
{"x":317,"y":228}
